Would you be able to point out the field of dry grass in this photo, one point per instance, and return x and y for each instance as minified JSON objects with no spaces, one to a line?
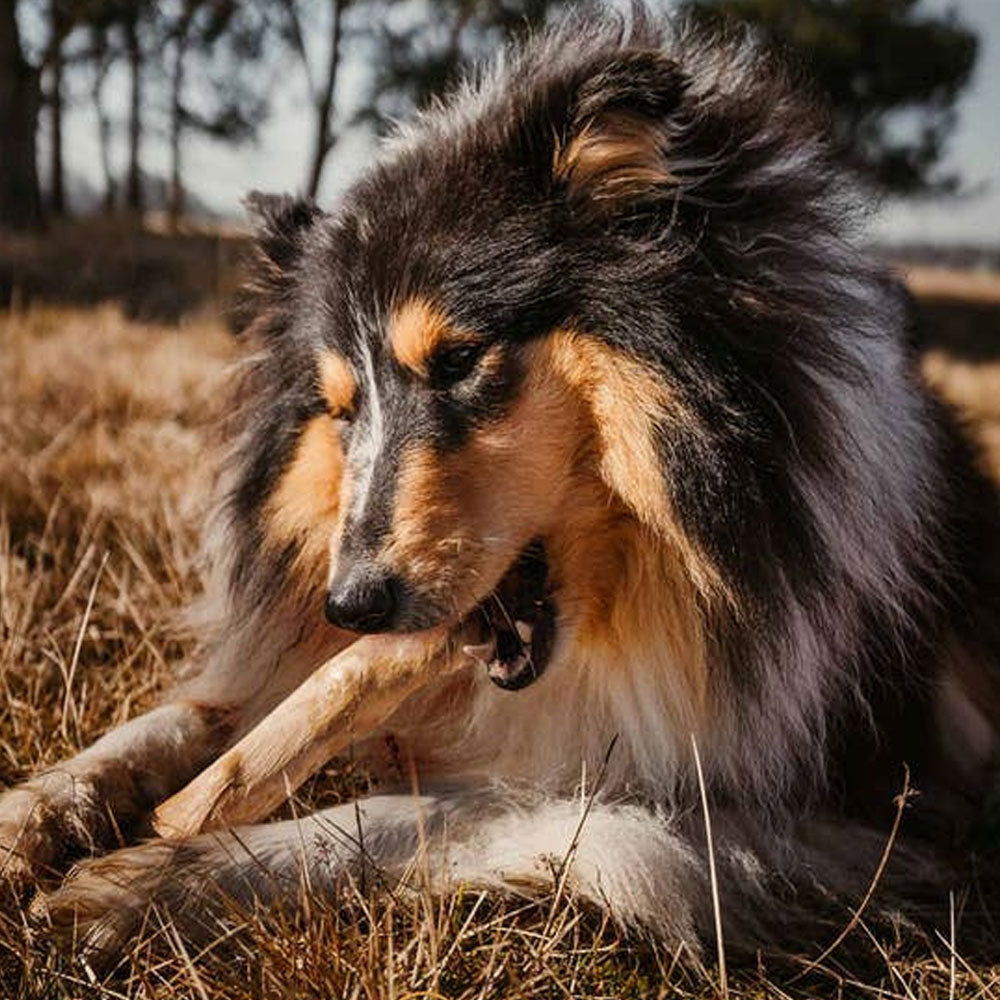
{"x":105,"y":468}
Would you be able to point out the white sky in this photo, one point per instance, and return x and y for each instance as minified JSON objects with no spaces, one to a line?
{"x":220,"y":175}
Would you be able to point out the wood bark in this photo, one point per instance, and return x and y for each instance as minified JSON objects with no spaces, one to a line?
{"x":133,"y":183}
{"x":57,"y":183}
{"x":325,"y":139}
{"x":345,"y":699}
{"x":20,"y":201}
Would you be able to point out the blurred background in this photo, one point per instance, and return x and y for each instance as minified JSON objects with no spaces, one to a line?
{"x":129,"y":132}
{"x":131,"y":129}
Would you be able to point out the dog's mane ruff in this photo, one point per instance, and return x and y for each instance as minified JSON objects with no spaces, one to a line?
{"x":761,"y":249}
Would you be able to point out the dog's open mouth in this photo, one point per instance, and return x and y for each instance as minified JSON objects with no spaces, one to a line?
{"x":517,"y":622}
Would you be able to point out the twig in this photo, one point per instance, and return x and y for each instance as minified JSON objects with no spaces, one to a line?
{"x":713,"y":878}
{"x":901,"y":801}
{"x":68,"y":697}
{"x":574,"y":843}
{"x":951,"y":927}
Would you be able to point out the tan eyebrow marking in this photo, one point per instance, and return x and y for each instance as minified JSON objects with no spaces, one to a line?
{"x":337,"y":383}
{"x":416,"y":330}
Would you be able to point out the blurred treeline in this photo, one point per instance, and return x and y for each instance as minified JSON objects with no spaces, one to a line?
{"x":891,"y":71}
{"x":211,"y":67}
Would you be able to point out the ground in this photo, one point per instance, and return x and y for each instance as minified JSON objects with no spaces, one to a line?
{"x":105,"y":472}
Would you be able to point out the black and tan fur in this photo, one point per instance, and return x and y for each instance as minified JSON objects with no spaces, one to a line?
{"x":601,"y":312}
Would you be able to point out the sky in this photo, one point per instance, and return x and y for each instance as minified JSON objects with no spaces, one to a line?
{"x":277,"y":161}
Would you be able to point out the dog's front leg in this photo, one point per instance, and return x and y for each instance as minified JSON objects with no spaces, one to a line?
{"x":199,"y":884}
{"x":83,"y":803}
{"x":626,"y":859}
{"x":346,"y":698}
{"x":86,"y":803}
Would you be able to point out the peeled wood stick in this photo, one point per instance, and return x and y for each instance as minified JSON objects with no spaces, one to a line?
{"x":344,"y":699}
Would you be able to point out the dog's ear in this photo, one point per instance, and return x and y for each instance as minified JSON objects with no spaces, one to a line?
{"x":280,"y":225}
{"x":613,"y":152}
{"x":280,"y":222}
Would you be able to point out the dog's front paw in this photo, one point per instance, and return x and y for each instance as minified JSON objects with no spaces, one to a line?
{"x":35,"y":830}
{"x":24,"y":846}
{"x":103,"y":901}
{"x":43,"y":824}
{"x":193,"y":887}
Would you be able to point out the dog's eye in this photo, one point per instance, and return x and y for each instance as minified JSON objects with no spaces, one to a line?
{"x":345,"y":414}
{"x":455,"y":363}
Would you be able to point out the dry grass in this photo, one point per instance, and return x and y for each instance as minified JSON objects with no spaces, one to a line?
{"x":155,"y":275}
{"x":104,"y":468}
{"x":974,"y":388}
{"x":101,"y":475}
{"x":954,"y":285}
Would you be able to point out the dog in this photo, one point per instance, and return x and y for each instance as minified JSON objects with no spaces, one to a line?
{"x":588,"y":376}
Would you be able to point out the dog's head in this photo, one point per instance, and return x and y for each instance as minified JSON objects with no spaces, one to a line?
{"x":479,"y":369}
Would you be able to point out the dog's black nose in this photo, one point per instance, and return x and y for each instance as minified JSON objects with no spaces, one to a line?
{"x":364,"y":602}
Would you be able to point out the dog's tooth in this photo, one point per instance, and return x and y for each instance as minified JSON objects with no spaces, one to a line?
{"x":481,"y":653}
{"x":518,"y":665}
{"x":524,"y":630}
{"x":508,"y":669}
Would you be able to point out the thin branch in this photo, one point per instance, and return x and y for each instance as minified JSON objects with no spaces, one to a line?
{"x":297,"y":39}
{"x":901,"y":800}
{"x":712,"y":876}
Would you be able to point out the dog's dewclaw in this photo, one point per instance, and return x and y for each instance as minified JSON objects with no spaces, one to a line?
{"x":343,"y":700}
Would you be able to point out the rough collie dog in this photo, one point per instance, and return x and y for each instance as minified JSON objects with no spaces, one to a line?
{"x":585,"y":386}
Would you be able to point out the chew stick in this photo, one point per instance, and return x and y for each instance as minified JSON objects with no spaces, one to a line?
{"x":345,"y":698}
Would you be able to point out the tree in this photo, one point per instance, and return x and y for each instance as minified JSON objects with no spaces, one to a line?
{"x":892,"y":74}
{"x":20,"y":93}
{"x":418,"y":47}
{"x":131,"y":16}
{"x":421,"y":57}
{"x":227,"y":39}
{"x":134,"y":26}
{"x":60,"y":23}
{"x":295,"y":26}
{"x":103,"y":57}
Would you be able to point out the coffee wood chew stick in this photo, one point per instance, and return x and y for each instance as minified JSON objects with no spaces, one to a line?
{"x":343,"y":700}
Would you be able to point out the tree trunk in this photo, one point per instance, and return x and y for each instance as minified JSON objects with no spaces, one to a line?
{"x":324,"y":105}
{"x":133,"y":184}
{"x":57,"y":189}
{"x":20,"y":203}
{"x":101,"y":66}
{"x":175,"y":196}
